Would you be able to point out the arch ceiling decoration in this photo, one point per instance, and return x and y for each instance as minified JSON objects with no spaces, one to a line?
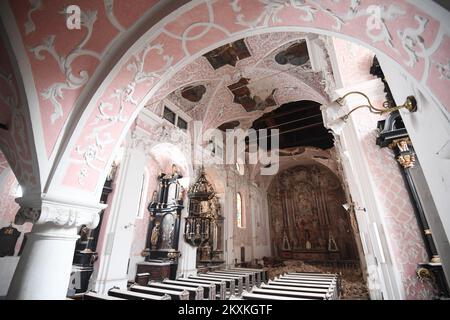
{"x":217,"y":106}
{"x":16,"y":141}
{"x":407,"y":33}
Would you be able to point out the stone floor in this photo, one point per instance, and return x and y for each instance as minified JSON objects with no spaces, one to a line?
{"x":352,"y":283}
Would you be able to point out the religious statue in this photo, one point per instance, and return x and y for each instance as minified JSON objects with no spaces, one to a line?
{"x":332,"y":246}
{"x":175,"y":171}
{"x":406,"y":160}
{"x":84,"y":233}
{"x":155,"y":235}
{"x":406,"y":157}
{"x":204,"y":207}
{"x":112,"y":172}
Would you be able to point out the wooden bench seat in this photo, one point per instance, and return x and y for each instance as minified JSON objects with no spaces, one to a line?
{"x":209,"y":290}
{"x":308,"y":283}
{"x":229,"y":283}
{"x":276,"y":286}
{"x":254,"y":277}
{"x":287,"y":293}
{"x":98,"y":296}
{"x":173,"y":294}
{"x":130,"y":295}
{"x":246,"y":277}
{"x":331,"y":287}
{"x":235,"y":289}
{"x":264,"y":275}
{"x":256,"y":296}
{"x":257,"y":276}
{"x":309,"y":278}
{"x":220,"y":286}
{"x":194,"y":293}
{"x":239,"y":280}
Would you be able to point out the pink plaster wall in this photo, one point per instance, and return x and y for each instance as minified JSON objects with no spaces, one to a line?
{"x":400,"y":223}
{"x":354,"y":62}
{"x":39,"y":23}
{"x":207,"y":23}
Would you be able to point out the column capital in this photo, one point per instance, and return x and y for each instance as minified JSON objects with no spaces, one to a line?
{"x":58,"y":212}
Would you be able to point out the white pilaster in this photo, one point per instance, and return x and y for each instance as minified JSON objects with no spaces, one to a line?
{"x":44,"y":268}
{"x":187,"y":262}
{"x":113,"y":260}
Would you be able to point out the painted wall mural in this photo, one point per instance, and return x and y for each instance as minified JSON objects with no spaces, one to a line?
{"x":307,"y":219}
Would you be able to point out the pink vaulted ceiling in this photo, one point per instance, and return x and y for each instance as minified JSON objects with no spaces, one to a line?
{"x":407,"y":34}
{"x":63,"y":60}
{"x":292,"y":83}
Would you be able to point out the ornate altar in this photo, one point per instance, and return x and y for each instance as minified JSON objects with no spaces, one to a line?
{"x":164,"y":227}
{"x":204,"y":225}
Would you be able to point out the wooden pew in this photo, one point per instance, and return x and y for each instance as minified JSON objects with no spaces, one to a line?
{"x":295,"y":294}
{"x":308,"y":283}
{"x":98,"y":296}
{"x":257,"y":296}
{"x":256,"y":275}
{"x":173,"y":294}
{"x":220,"y":286}
{"x":209,"y":290}
{"x":142,"y":278}
{"x":129,"y":295}
{"x":307,"y":278}
{"x":231,"y":282}
{"x":247,"y":282}
{"x":332,"y":287}
{"x":194,"y":293}
{"x":238,"y":280}
{"x":330,"y":275}
{"x":322,"y":291}
{"x":264,"y":274}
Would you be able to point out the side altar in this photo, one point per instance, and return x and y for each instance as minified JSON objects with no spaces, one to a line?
{"x":161,"y":252}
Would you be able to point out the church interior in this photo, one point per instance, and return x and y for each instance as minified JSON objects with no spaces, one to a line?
{"x":224,"y":150}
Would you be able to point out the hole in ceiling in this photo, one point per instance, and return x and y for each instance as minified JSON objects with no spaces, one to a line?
{"x":299,"y":123}
{"x":228,"y":54}
{"x":296,"y":54}
{"x":253,"y":96}
{"x":193,"y":93}
{"x":229,"y":125}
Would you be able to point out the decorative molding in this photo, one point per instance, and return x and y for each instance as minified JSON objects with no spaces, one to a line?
{"x":29,"y":24}
{"x":60,"y":214}
{"x":73,"y":82}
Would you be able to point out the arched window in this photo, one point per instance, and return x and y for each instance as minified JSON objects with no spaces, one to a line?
{"x":239,"y":216}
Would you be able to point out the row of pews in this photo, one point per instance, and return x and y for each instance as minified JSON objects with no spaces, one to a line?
{"x":297,"y":286}
{"x":233,"y":284}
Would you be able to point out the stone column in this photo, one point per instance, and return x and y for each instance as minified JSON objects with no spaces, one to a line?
{"x":43,"y":271}
{"x":119,"y":223}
